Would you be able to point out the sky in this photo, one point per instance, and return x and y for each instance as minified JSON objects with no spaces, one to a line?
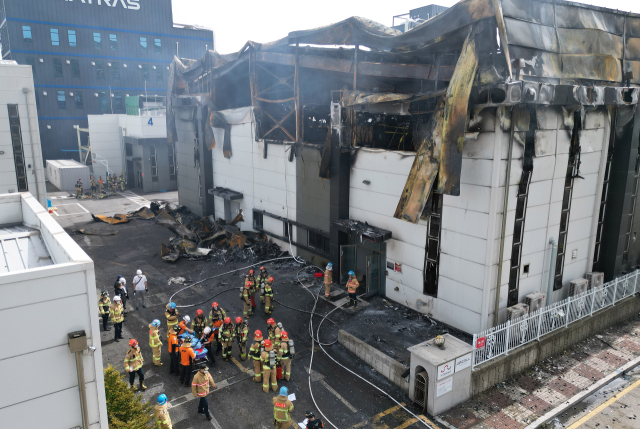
{"x":236,"y":22}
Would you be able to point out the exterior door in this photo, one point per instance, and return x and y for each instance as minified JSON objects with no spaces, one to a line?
{"x":373,"y":274}
{"x":347,"y":262}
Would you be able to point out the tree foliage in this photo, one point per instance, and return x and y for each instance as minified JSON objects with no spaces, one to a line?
{"x":125,"y":409}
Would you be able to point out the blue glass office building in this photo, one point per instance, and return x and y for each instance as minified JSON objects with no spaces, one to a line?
{"x":88,"y":55}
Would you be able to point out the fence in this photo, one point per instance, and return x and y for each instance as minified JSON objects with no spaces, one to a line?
{"x":503,"y":338}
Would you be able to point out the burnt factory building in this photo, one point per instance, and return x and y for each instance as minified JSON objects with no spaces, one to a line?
{"x":89,"y":55}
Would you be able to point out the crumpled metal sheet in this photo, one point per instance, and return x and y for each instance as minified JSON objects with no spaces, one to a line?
{"x":352,"y":98}
{"x":144,"y":213}
{"x":101,"y":233}
{"x":116,"y":219}
{"x":168,"y":254}
{"x":455,"y":117}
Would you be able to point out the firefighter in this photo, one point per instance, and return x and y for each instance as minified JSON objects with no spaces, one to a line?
{"x":328,"y":279}
{"x":103,"y":305}
{"x":198,"y":324}
{"x":268,"y":359}
{"x":271,"y":330}
{"x":133,"y":365}
{"x":200,"y":389}
{"x":282,"y":408}
{"x":183,"y":326}
{"x":100,"y":184}
{"x":246,"y":299}
{"x":352,"y":286}
{"x":241,"y":332}
{"x":161,"y":414}
{"x":252,"y":292}
{"x":268,"y":296}
{"x":79,"y":188}
{"x":93,"y":185}
{"x":116,"y":311}
{"x":171,"y":313}
{"x":260,"y":282}
{"x":312,"y":422}
{"x":285,"y":355}
{"x":122,"y":182}
{"x":216,"y":313}
{"x":174,"y":347}
{"x":225,"y":336}
{"x":154,"y":342}
{"x":254,"y":353}
{"x":187,"y":355}
{"x":209,"y":341}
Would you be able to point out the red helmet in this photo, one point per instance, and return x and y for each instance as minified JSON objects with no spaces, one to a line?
{"x":214,"y":305}
{"x":238,"y":319}
{"x":284,"y":335}
{"x":199,"y":313}
{"x":227,"y":320}
{"x":250,"y":271}
{"x":258,"y":336}
{"x":267,"y":343}
{"x":133,"y":343}
{"x":261,"y":268}
{"x":271,"y":279}
{"x":271,"y":321}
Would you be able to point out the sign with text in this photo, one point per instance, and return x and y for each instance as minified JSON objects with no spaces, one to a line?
{"x":463,"y":362}
{"x":398,"y":268}
{"x":444,"y":386}
{"x":127,"y":4}
{"x":445,"y":369}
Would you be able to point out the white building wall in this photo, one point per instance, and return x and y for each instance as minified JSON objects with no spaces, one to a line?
{"x":13,"y":78}
{"x":104,"y":138}
{"x":39,"y":373}
{"x":266,"y":184}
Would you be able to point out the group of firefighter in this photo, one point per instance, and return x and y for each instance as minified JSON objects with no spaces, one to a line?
{"x":271,"y":354}
{"x":98,"y":186}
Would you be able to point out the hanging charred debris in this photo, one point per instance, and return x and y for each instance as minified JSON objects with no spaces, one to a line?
{"x":421,"y":91}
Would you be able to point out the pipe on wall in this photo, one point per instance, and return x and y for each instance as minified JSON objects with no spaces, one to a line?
{"x":496,"y":307}
{"x":552,"y":268}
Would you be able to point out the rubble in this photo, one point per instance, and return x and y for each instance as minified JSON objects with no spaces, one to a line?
{"x":116,"y":219}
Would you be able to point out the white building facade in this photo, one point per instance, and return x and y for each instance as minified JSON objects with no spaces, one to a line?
{"x":48,"y":290}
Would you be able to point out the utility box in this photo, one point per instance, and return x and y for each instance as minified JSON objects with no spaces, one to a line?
{"x":577,"y":286}
{"x":595,"y":280}
{"x":518,"y":310}
{"x":535,"y":301}
{"x":64,"y":174}
{"x":440,"y":377}
{"x":77,"y":341}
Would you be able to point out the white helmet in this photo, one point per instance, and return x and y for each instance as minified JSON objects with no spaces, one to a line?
{"x":186,"y":319}
{"x":207,"y":330}
{"x":117,"y":298}
{"x":139,"y":272}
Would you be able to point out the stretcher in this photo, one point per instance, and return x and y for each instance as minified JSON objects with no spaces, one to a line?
{"x":196,"y":345}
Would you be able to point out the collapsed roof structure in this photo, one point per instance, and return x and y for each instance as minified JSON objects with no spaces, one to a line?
{"x":358,"y":84}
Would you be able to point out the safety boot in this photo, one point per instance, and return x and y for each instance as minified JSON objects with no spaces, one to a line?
{"x":133,"y":387}
{"x":142,"y":386}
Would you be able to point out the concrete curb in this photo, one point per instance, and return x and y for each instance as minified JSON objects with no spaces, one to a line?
{"x":580,"y":396}
{"x":444,"y":423}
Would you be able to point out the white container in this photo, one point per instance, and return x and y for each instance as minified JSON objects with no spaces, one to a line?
{"x":64,"y":173}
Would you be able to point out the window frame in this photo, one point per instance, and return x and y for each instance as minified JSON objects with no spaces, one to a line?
{"x":144,"y":45}
{"x":75,"y":66}
{"x":118,"y":106}
{"x":113,"y":42}
{"x":56,"y":32}
{"x":73,"y":44}
{"x":58,"y":70}
{"x":103,"y":97}
{"x":159,"y":75}
{"x":77,"y":95}
{"x":115,"y":70}
{"x":258,"y":220}
{"x":97,"y":41}
{"x":153,"y":159}
{"x":17,"y":144}
{"x":100,"y":70}
{"x":32,"y":64}
{"x":27,"y":28}
{"x":157,"y":46}
{"x":62,"y":104}
{"x":145,"y":71}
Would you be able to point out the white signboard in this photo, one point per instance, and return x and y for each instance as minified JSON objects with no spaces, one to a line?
{"x":463,"y":362}
{"x":444,"y":386}
{"x":127,"y":4}
{"x":445,"y":370}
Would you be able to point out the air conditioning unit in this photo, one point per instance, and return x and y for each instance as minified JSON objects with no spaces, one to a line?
{"x":578,"y":286}
{"x":535,"y":301}
{"x":517,"y":310}
{"x":595,"y":280}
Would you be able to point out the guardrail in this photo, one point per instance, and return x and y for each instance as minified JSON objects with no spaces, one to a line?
{"x":512,"y":334}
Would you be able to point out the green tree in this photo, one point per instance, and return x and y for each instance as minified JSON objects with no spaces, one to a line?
{"x":125,"y":409}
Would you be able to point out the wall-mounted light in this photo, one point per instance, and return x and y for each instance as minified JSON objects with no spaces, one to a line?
{"x":48,"y":127}
{"x":71,"y":94}
{"x":96,"y":94}
{"x":93,"y":63}
{"x":126,"y":95}
{"x":139,"y":66}
{"x":44,"y":93}
{"x":109,"y":64}
{"x":167,"y":68}
{"x":68,"y":61}
{"x":75,"y":127}
{"x":112,"y":95}
{"x":42,"y":60}
{"x":124,"y":65}
{"x":154,"y":67}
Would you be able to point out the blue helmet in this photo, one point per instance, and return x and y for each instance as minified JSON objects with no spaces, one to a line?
{"x":351,"y":273}
{"x":329,"y":266}
{"x":155,"y":323}
{"x":172,"y":305}
{"x":162,"y":399}
{"x":284,"y":391}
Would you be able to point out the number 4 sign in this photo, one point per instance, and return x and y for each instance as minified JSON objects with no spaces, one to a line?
{"x":150,"y":121}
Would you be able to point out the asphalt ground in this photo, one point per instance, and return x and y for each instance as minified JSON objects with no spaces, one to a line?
{"x":238,"y":402}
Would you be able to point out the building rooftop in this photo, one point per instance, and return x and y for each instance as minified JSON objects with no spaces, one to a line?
{"x":22,"y":248}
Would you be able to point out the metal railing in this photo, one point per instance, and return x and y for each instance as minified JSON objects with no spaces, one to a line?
{"x":515,"y":333}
